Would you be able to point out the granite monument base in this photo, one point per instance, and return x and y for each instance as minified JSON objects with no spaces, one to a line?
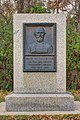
{"x":39,"y":102}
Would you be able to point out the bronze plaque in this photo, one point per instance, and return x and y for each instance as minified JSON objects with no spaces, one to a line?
{"x":39,"y":47}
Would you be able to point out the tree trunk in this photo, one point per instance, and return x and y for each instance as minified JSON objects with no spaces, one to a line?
{"x":79,"y":18}
{"x":57,"y":6}
{"x":0,"y":3}
{"x":79,"y":24}
{"x":20,"y":6}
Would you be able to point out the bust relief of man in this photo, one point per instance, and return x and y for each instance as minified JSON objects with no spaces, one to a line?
{"x":39,"y":46}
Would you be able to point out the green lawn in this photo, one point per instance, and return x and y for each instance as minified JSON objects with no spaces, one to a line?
{"x":76,"y":94}
{"x":41,"y":117}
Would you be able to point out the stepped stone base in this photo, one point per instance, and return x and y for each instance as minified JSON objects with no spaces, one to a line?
{"x":39,"y":102}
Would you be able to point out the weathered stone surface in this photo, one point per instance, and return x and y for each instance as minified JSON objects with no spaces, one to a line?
{"x":39,"y":102}
{"x":43,"y":82}
{"x":75,"y":111}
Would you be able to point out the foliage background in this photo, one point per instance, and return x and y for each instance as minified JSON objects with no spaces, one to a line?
{"x":72,"y":54}
{"x":6,"y":43}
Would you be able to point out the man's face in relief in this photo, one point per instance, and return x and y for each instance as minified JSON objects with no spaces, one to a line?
{"x":39,"y":34}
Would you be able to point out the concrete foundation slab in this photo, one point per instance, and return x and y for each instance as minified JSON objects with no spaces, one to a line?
{"x":39,"y":102}
{"x":76,"y":111}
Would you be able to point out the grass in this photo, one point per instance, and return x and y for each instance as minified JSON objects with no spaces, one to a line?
{"x":41,"y":117}
{"x":76,"y":94}
{"x":3,"y":94}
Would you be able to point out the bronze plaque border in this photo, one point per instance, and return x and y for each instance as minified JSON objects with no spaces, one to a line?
{"x":39,"y":24}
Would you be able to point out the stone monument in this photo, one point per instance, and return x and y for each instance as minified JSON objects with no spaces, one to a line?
{"x":39,"y":64}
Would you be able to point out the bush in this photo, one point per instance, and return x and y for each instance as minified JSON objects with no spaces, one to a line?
{"x":73,"y":50}
{"x":6,"y":53}
{"x":6,"y":45}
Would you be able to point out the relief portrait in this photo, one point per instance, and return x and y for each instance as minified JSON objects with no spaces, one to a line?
{"x":40,"y":46}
